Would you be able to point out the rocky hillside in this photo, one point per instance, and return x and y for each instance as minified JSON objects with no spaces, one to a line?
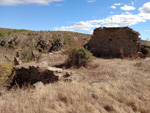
{"x":12,"y":40}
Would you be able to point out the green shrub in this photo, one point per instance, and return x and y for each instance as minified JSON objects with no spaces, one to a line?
{"x":68,"y":38}
{"x":27,"y":54}
{"x":78,"y":56}
{"x":145,"y":51}
{"x":65,"y":42}
{"x":8,"y":33}
{"x":1,"y":34}
{"x":28,"y":50}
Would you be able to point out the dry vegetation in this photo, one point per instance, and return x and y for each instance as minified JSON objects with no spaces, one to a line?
{"x":124,"y":88}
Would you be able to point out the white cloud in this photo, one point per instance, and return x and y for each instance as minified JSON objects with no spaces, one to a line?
{"x":145,"y":11}
{"x":90,"y":1}
{"x":111,"y":12}
{"x":16,"y":2}
{"x":124,"y":19}
{"x":85,"y":26}
{"x":145,"y":8}
{"x":132,"y":3}
{"x":113,"y":7}
{"x":127,"y":8}
{"x":111,"y":21}
{"x":117,"y":4}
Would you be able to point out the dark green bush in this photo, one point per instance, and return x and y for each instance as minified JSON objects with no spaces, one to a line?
{"x":78,"y":56}
{"x":145,"y":51}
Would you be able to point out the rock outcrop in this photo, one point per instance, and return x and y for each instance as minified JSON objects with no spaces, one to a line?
{"x":114,"y":42}
{"x":30,"y":73}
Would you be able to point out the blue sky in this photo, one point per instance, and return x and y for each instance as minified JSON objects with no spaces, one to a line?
{"x":76,"y":15}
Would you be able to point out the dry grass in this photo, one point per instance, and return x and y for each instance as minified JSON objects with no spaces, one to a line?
{"x":126,"y":89}
{"x":6,"y":55}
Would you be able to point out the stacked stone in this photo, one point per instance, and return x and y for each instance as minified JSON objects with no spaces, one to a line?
{"x":114,"y":42}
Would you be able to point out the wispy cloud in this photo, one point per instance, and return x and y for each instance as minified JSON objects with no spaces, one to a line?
{"x":90,"y":1}
{"x":113,"y":7}
{"x":127,"y":8}
{"x":58,"y":5}
{"x":85,"y":26}
{"x":147,"y":30}
{"x":117,"y":4}
{"x":17,"y":2}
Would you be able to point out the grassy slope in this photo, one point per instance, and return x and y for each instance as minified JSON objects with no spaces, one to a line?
{"x":4,"y":30}
{"x":125,"y":89}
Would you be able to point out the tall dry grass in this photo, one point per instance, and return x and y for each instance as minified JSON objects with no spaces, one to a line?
{"x":125,"y":89}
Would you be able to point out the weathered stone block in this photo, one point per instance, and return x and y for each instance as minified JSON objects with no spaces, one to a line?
{"x":109,"y":41}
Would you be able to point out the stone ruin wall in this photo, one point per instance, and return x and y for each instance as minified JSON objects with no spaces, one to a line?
{"x":113,"y":42}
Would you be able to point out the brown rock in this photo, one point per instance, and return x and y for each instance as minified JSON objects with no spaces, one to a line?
{"x":17,"y":61}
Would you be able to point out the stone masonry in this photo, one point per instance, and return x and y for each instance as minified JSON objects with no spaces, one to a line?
{"x":114,"y":42}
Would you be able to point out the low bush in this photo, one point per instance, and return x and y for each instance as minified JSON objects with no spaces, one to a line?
{"x":57,"y":45}
{"x":145,"y":51}
{"x":78,"y":56}
{"x":27,"y":53}
{"x":1,"y":34}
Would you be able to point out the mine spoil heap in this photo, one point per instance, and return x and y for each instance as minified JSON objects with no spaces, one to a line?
{"x":114,"y":42}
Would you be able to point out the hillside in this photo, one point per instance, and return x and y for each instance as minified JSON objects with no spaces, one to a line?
{"x":104,"y":85}
{"x":13,"y":40}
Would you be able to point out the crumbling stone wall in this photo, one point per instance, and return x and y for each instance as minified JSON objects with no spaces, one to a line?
{"x":114,"y":42}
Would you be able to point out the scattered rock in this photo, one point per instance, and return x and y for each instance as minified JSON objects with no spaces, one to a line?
{"x":38,"y":85}
{"x":69,"y":76}
{"x":56,"y":71}
{"x":140,"y":55}
{"x":17,"y":61}
{"x":147,"y":58}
